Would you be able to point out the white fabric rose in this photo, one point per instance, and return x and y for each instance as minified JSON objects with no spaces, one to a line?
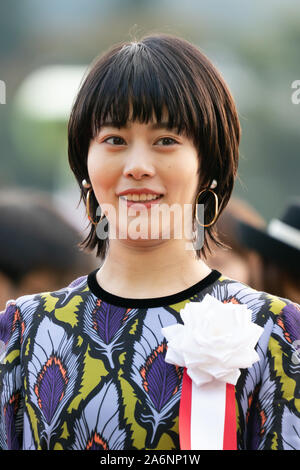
{"x":215,"y":341}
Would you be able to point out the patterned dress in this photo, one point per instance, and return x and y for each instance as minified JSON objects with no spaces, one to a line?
{"x":82,"y":368}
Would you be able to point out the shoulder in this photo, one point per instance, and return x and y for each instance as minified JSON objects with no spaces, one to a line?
{"x":278,"y":315}
{"x":20,"y":313}
{"x":279,"y":345}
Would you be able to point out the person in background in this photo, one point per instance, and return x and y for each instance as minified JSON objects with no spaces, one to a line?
{"x":278,"y":249}
{"x":237,"y":261}
{"x":38,"y":249}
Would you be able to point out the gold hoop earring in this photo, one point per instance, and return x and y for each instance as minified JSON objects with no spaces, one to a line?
{"x":88,"y":209}
{"x":216,"y":207}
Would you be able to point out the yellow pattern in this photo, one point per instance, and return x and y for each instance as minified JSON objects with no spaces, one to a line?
{"x":274,"y":445}
{"x":122,"y":357}
{"x":177,"y":307}
{"x":165,"y":443}
{"x":237,"y":413}
{"x":50,"y":302}
{"x":288,"y":385}
{"x":27,"y":347}
{"x":130,"y":400}
{"x":134,"y":327}
{"x":65,"y":434}
{"x":34,"y":422}
{"x":12,"y":356}
{"x":58,"y":446}
{"x":68,"y":313}
{"x":93,"y":372}
{"x":276,"y":305}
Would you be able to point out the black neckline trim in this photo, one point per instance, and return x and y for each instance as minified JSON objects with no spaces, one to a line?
{"x":113,"y":299}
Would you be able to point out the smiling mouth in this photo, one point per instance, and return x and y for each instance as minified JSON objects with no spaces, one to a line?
{"x":153,"y":197}
{"x":145,"y":203}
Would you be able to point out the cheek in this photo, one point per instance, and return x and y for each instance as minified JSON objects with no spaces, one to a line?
{"x":184,"y":175}
{"x":101,"y":172}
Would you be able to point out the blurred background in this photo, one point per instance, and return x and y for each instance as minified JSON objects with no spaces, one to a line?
{"x":46,"y":47}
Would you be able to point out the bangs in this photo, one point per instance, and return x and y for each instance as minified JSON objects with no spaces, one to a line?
{"x":140,"y":86}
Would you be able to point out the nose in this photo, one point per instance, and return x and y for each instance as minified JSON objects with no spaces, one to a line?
{"x":138,"y":162}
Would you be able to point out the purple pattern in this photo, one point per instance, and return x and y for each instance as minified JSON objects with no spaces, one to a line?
{"x":107,"y":320}
{"x":77,"y":281}
{"x":50,"y":387}
{"x":161,"y":379}
{"x":10,"y":421}
{"x":7,"y":322}
{"x":291,"y":317}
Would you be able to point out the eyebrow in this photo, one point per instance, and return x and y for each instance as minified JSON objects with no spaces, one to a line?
{"x":154,"y":126}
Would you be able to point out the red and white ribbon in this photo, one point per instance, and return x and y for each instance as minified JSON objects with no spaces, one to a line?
{"x":207,"y":416}
{"x":214,"y":342}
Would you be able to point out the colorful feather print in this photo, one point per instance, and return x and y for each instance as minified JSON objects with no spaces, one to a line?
{"x":8,"y":321}
{"x":98,"y":427}
{"x":80,"y":281}
{"x":52,"y":374}
{"x":51,"y":386}
{"x":30,"y":304}
{"x":104,"y":324}
{"x":290,"y":430}
{"x":12,"y":406}
{"x":253,"y":375}
{"x":11,"y":325}
{"x":289,"y":322}
{"x":159,"y":382}
{"x":10,"y":411}
{"x":28,"y":439}
{"x":13,"y":322}
{"x":238,"y":293}
{"x":251,"y":416}
{"x":256,"y":419}
{"x":269,"y":402}
{"x":64,"y":296}
{"x":81,"y":392}
{"x":288,"y":331}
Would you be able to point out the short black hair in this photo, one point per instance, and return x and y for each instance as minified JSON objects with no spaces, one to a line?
{"x":160,"y":71}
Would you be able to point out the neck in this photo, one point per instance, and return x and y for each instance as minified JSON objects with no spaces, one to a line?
{"x":157,"y":270}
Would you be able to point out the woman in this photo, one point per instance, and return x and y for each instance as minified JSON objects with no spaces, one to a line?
{"x":86,"y":365}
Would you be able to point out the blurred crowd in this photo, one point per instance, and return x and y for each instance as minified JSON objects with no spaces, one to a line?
{"x":39,"y":248}
{"x":263,"y":256}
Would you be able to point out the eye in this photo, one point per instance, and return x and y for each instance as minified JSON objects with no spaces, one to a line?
{"x":167,"y":141}
{"x":116,"y":139}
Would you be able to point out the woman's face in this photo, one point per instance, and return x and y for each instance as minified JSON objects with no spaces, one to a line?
{"x":142,"y":156}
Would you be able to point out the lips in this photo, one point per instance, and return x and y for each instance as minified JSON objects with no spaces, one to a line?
{"x":143,"y":204}
{"x":139,"y":191}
